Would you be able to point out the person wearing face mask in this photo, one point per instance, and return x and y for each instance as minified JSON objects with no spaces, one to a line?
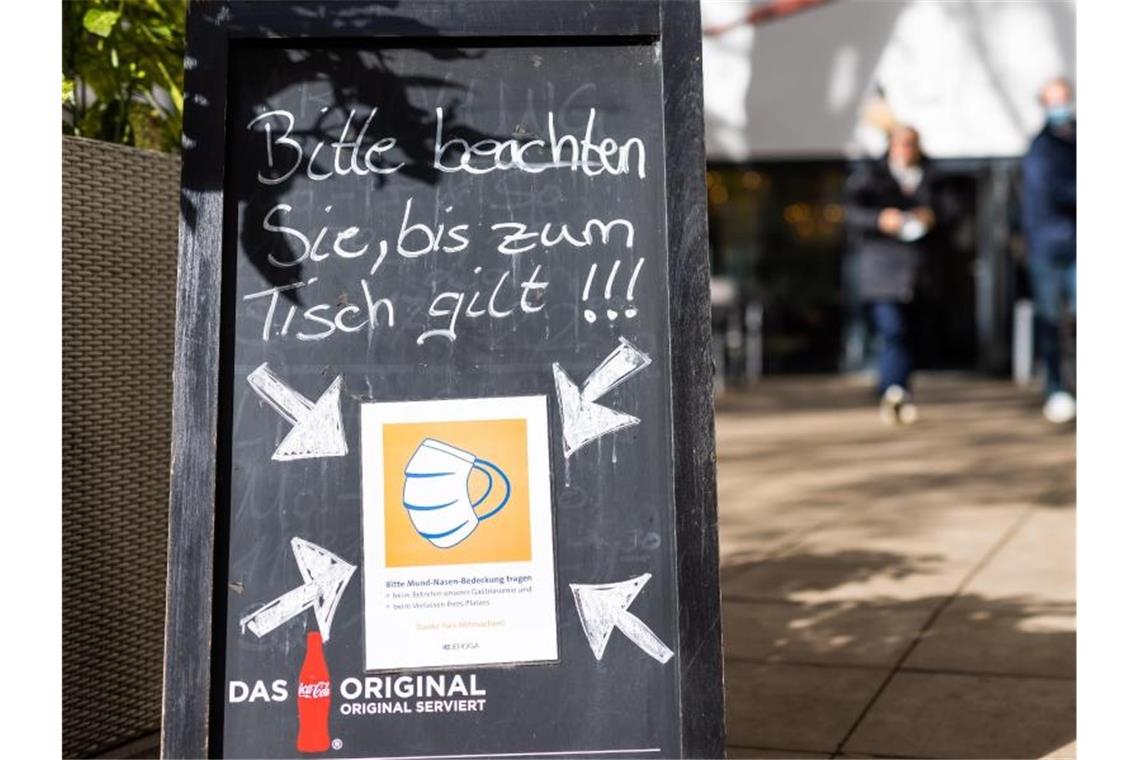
{"x":1049,"y":217}
{"x":889,"y":213}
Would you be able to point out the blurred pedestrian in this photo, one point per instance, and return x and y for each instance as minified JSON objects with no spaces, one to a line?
{"x":1049,"y":216}
{"x":889,"y":213}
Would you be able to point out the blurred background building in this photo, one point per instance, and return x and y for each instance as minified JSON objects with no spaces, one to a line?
{"x":795,"y":92}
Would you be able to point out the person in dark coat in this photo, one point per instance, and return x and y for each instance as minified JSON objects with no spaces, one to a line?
{"x":1049,"y":217}
{"x":889,"y":213}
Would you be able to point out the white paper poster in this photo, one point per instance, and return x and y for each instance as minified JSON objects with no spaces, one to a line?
{"x":458,"y":543}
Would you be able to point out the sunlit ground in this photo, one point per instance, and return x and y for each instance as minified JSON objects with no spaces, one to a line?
{"x":897,"y":592}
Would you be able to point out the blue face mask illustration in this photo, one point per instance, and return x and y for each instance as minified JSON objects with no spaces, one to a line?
{"x":436,"y":494}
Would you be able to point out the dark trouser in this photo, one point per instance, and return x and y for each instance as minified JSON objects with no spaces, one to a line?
{"x":1054,"y":285}
{"x":892,"y":323}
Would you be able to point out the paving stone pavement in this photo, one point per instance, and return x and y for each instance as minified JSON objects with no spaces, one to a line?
{"x":896,"y":592}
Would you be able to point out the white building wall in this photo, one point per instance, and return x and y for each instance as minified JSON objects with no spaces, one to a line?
{"x":964,"y":72}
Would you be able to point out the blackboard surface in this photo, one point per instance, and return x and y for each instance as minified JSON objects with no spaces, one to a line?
{"x":415,"y":229}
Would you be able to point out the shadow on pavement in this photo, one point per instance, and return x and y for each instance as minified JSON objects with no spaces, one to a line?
{"x":896,"y":592}
{"x":812,"y":668}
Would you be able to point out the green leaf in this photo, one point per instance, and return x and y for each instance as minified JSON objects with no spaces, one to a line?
{"x":100,"y":21}
{"x":176,"y":98}
{"x":119,"y":54}
{"x":68,"y":90}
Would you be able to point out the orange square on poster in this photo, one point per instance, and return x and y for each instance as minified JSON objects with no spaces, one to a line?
{"x":456,"y":492}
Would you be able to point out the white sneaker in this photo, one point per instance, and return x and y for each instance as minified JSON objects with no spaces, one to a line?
{"x":908,"y":412}
{"x":1060,"y":408}
{"x":896,"y":407}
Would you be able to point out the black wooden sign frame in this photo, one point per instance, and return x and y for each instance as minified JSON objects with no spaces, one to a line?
{"x":196,"y":484}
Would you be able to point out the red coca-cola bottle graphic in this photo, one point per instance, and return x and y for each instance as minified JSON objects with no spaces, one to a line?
{"x":314,"y":698}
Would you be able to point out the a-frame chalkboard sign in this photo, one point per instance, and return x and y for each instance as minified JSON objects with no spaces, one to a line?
{"x":443,"y":464}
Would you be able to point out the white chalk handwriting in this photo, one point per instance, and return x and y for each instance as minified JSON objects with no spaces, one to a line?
{"x":452,"y":292}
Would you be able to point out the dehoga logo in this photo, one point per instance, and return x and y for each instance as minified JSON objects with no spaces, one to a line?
{"x":461,"y":645}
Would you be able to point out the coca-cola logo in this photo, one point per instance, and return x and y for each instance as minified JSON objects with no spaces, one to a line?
{"x":315,"y":690}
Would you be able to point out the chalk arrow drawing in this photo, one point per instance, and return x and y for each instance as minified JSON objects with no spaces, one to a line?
{"x":602,"y":607}
{"x":325,"y":578}
{"x":317,"y":428}
{"x":583,"y":420}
